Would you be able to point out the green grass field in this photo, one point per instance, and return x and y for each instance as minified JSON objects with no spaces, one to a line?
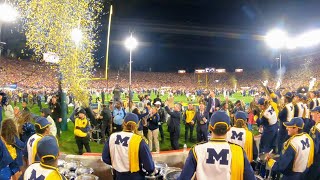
{"x":67,"y":141}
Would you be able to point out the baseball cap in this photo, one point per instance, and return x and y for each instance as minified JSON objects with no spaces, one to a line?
{"x":295,"y":122}
{"x":42,"y":122}
{"x":81,"y":111}
{"x":298,"y":95}
{"x":157,"y":103}
{"x":48,"y":148}
{"x":131,"y":117}
{"x":261,"y":101}
{"x":219,"y":117}
{"x":316,"y":109}
{"x":241,"y":115}
{"x":289,"y":95}
{"x":46,"y":111}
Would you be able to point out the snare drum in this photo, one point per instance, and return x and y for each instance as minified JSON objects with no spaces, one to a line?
{"x":72,"y":165}
{"x":172,"y":173}
{"x":262,"y":157}
{"x":61,"y":163}
{"x":160,"y":168}
{"x":87,"y":177}
{"x":83,"y":170}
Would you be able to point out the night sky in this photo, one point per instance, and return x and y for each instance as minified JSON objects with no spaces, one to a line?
{"x":189,"y":34}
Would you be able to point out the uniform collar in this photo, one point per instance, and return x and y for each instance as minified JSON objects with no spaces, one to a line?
{"x":218,"y":139}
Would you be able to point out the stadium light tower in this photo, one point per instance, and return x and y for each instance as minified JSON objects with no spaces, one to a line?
{"x":130,"y":43}
{"x":7,"y":14}
{"x":277,"y":39}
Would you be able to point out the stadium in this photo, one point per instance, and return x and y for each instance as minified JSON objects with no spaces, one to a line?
{"x":179,"y":98}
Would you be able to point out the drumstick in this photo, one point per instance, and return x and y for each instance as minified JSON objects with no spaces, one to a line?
{"x":269,"y":154}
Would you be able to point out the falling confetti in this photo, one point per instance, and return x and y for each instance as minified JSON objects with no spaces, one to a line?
{"x":48,"y":26}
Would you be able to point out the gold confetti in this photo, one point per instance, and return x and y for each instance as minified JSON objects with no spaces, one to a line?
{"x":48,"y":25}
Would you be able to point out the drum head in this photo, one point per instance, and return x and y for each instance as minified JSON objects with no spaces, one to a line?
{"x":83,"y":170}
{"x":173,"y":175}
{"x":64,"y":171}
{"x":61,"y":163}
{"x":159,"y":164}
{"x":262,"y":157}
{"x":87,"y":177}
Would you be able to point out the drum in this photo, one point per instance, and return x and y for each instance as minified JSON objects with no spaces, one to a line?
{"x":61,"y":163}
{"x":71,"y":175}
{"x":262,"y":157}
{"x":64,"y":171}
{"x":83,"y":170}
{"x":172,"y":173}
{"x":87,"y":177}
{"x":72,"y":165}
{"x":160,"y":168}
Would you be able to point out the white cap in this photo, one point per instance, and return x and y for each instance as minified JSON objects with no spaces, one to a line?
{"x":157,"y":103}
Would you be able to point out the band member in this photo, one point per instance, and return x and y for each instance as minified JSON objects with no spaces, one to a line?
{"x":313,"y":100}
{"x":315,"y":135}
{"x":298,"y":152}
{"x":285,"y":115}
{"x":298,"y":107}
{"x":127,"y":152}
{"x":217,"y":159}
{"x":306,"y":115}
{"x":42,"y":126}
{"x":268,"y":120}
{"x":239,"y":134}
{"x":48,"y":152}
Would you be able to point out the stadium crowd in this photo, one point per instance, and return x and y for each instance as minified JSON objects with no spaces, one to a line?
{"x":40,"y":76}
{"x":284,"y":119}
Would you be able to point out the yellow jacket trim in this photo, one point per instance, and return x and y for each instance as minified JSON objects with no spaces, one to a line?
{"x":12,"y":151}
{"x":311,"y":154}
{"x":248,"y":146}
{"x":34,"y":149}
{"x":80,"y":123}
{"x":134,"y":153}
{"x":271,"y":163}
{"x":237,"y":163}
{"x":190,"y":115}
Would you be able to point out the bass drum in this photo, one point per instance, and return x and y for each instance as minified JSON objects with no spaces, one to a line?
{"x":172,"y":173}
{"x":87,"y":177}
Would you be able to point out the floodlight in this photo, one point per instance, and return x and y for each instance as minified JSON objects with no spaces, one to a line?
{"x":131,"y":43}
{"x":276,"y":38}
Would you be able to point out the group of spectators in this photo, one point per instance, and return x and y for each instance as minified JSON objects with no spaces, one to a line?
{"x":40,"y":76}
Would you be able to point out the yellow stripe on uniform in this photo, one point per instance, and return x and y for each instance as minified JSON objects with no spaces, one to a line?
{"x":134,"y":153}
{"x":34,"y":149}
{"x":237,"y":163}
{"x":248,"y":146}
{"x":311,"y":154}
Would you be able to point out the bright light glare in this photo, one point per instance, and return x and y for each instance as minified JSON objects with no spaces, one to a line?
{"x":276,"y":38}
{"x":131,"y":43}
{"x":8,"y":13}
{"x":308,"y":39}
{"x":291,"y":43}
{"x":76,"y":35}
